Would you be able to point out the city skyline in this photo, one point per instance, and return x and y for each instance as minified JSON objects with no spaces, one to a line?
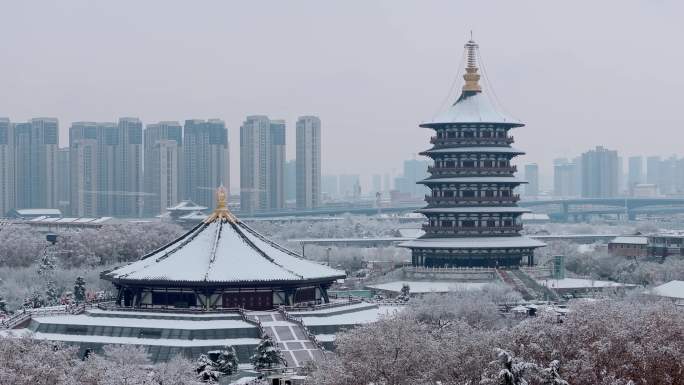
{"x":381,"y":93}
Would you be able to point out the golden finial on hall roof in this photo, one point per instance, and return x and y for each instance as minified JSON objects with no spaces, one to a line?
{"x":221,"y":212}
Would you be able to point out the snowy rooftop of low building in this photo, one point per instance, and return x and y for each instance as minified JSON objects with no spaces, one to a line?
{"x":535,"y":217}
{"x":474,"y":243}
{"x":428,"y":286}
{"x":187,"y":205}
{"x":46,"y":212}
{"x":631,"y":240}
{"x":672,"y":289}
{"x":222,"y":249}
{"x":580,"y":283}
{"x":153,"y":323}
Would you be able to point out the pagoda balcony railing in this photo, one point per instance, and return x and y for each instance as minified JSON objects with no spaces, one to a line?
{"x":481,"y":230}
{"x":446,"y":142}
{"x":472,"y":170}
{"x":460,"y":200}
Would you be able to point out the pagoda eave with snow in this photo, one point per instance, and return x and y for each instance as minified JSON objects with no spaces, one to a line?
{"x":221,"y":264}
{"x":473,"y":219}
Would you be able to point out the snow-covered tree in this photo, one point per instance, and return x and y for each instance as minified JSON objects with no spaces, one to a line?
{"x":550,"y":375}
{"x":3,"y":305}
{"x":267,"y":354}
{"x":51,"y":295}
{"x":79,"y":289}
{"x":227,"y":360}
{"x":512,"y":372}
{"x":206,"y":369}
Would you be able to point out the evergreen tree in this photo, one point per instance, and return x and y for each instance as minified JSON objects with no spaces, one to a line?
{"x":79,"y":289}
{"x":405,"y":292}
{"x":206,"y":369}
{"x":267,"y":354}
{"x":3,"y":305}
{"x":227,"y":361}
{"x":513,"y":371}
{"x":550,"y":375}
{"x":51,"y":296}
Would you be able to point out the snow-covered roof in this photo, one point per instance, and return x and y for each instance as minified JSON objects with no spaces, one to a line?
{"x":580,"y":283}
{"x":428,"y":286}
{"x":469,"y":150}
{"x":473,"y":107}
{"x":483,"y":179}
{"x":631,"y":240}
{"x":46,"y":212}
{"x":223,"y":249}
{"x":187,"y":205}
{"x":672,"y":289}
{"x":481,"y":209}
{"x":529,"y":216}
{"x":473,"y":243}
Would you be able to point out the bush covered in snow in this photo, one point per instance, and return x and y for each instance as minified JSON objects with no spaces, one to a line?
{"x":608,"y":342}
{"x":24,"y":361}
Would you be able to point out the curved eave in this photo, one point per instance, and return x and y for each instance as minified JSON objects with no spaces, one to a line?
{"x":474,"y":210}
{"x":497,"y":243}
{"x":472,"y":108}
{"x":160,"y":282}
{"x":474,"y":150}
{"x":439,"y":125}
{"x":473,"y":180}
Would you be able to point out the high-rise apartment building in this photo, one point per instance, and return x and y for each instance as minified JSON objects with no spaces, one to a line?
{"x":291,"y":180}
{"x":206,"y":163}
{"x":262,"y":164}
{"x":414,"y":171}
{"x":635,"y":171}
{"x":349,"y":186}
{"x":63,"y":180}
{"x":308,"y":162}
{"x":35,"y":145}
{"x":276,"y":187}
{"x":7,"y":186}
{"x":87,"y":199}
{"x":532,"y":177}
{"x":565,"y":176}
{"x":653,"y":170}
{"x":128,"y":175}
{"x":163,"y":157}
{"x":330,"y":186}
{"x":600,"y":173}
{"x":377,"y":183}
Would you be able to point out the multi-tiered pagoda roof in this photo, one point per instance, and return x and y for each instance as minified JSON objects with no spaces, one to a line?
{"x":222,"y":262}
{"x":472,"y":212}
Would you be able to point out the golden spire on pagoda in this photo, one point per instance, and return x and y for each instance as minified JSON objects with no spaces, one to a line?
{"x":221,"y":212}
{"x":471,"y":76}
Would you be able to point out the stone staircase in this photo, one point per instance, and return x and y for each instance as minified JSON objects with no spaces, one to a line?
{"x":292,"y":338}
{"x":527,"y":286}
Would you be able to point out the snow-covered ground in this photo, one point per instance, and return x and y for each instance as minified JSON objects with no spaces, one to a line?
{"x":579,"y":283}
{"x":428,"y":286}
{"x":354,"y":318}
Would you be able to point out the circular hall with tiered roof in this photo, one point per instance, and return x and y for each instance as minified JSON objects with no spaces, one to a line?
{"x":473,"y":219}
{"x":221,"y":264}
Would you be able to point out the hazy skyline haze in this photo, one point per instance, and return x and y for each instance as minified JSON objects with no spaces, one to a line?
{"x":579,"y":74}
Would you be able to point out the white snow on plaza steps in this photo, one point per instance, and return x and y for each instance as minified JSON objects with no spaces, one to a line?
{"x":151,"y":323}
{"x":222,"y":251}
{"x":423,"y":287}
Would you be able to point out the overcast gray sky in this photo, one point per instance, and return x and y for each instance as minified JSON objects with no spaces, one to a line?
{"x":579,"y":73}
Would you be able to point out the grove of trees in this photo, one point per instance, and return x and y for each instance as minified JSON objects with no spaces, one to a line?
{"x":608,"y":342}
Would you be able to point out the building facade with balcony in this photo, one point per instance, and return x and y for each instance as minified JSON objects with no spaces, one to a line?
{"x":472,"y":215}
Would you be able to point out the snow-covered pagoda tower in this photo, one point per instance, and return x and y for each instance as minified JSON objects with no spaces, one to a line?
{"x":221,"y":263}
{"x":472,"y":211}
